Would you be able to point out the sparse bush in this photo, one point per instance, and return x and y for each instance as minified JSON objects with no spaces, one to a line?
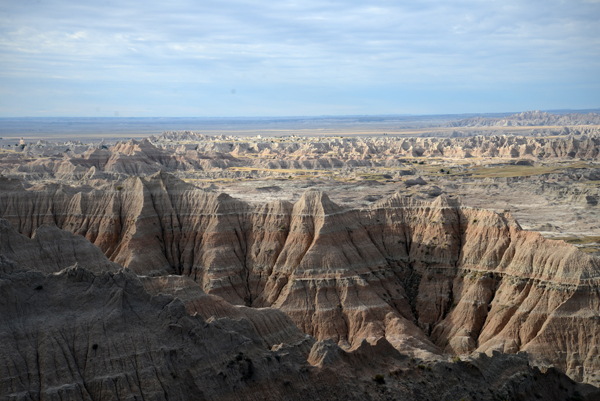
{"x":94,"y":347}
{"x":379,"y":379}
{"x":39,"y":287}
{"x":421,"y":366}
{"x":119,"y":187}
{"x":474,"y":220}
{"x":456,"y":359}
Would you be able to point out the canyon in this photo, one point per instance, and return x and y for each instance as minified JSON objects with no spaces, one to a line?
{"x":189,"y":266}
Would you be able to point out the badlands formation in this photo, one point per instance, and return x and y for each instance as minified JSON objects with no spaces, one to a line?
{"x":186,"y":266}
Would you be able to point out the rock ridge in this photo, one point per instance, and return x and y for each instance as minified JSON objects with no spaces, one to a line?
{"x":430,"y":277}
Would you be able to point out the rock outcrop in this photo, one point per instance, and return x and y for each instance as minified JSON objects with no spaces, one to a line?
{"x":429,"y":277}
{"x":78,"y":335}
{"x":50,"y":250}
{"x":230,"y":157}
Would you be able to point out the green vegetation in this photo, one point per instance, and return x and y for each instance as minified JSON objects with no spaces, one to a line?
{"x":379,"y":379}
{"x":585,"y":244}
{"x":523,"y":171}
{"x":374,"y":177}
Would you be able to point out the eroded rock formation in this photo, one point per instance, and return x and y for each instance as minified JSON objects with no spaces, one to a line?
{"x":78,"y":335}
{"x":430,"y":277}
{"x":233,"y":157}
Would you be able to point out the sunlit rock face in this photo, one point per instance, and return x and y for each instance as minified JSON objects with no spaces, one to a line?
{"x":430,"y":277}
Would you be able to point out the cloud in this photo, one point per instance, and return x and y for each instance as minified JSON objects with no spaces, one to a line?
{"x":332,"y":45}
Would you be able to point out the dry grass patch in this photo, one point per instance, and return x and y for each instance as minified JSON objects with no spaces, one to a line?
{"x":587,"y":244}
{"x":523,"y":171}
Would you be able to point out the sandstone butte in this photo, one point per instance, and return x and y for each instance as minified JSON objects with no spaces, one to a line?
{"x":432,"y":278}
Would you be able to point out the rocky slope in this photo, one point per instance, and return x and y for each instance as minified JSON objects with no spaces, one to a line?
{"x":234,"y":158}
{"x":50,"y":250}
{"x":430,"y":277}
{"x":77,"y":335}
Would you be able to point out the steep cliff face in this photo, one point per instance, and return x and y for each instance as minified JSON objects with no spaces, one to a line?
{"x":73,"y":335}
{"x":98,"y":337}
{"x":50,"y":250}
{"x":429,"y":277}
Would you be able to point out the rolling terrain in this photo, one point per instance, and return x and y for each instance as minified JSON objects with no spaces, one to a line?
{"x":188,"y":266}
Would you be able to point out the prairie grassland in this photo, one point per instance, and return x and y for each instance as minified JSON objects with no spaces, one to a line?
{"x":587,"y":244}
{"x":522,"y":171}
{"x":279,"y":170}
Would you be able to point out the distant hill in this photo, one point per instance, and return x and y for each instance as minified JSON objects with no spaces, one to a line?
{"x":529,"y":118}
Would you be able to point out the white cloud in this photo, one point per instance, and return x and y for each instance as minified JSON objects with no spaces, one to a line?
{"x":333,"y":44}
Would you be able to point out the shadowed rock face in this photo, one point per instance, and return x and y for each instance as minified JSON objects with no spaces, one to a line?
{"x":97,"y":337}
{"x":50,"y":250}
{"x":75,"y":335}
{"x":429,"y":277}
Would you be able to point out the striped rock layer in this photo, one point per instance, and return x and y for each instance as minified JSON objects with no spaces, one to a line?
{"x":431,"y":278}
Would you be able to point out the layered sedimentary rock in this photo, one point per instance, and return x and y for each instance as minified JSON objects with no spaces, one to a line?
{"x":50,"y":249}
{"x":233,"y":158}
{"x":77,"y":335}
{"x":429,"y":277}
{"x":272,"y":325}
{"x":98,"y":337}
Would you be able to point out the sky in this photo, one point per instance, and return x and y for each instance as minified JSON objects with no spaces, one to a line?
{"x":226,"y":58}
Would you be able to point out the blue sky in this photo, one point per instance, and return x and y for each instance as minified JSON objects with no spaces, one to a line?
{"x":286,"y":58}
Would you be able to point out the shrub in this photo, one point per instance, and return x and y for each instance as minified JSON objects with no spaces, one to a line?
{"x":39,"y":287}
{"x":456,"y":359}
{"x":119,"y":187}
{"x":379,"y":379}
{"x":95,"y":347}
